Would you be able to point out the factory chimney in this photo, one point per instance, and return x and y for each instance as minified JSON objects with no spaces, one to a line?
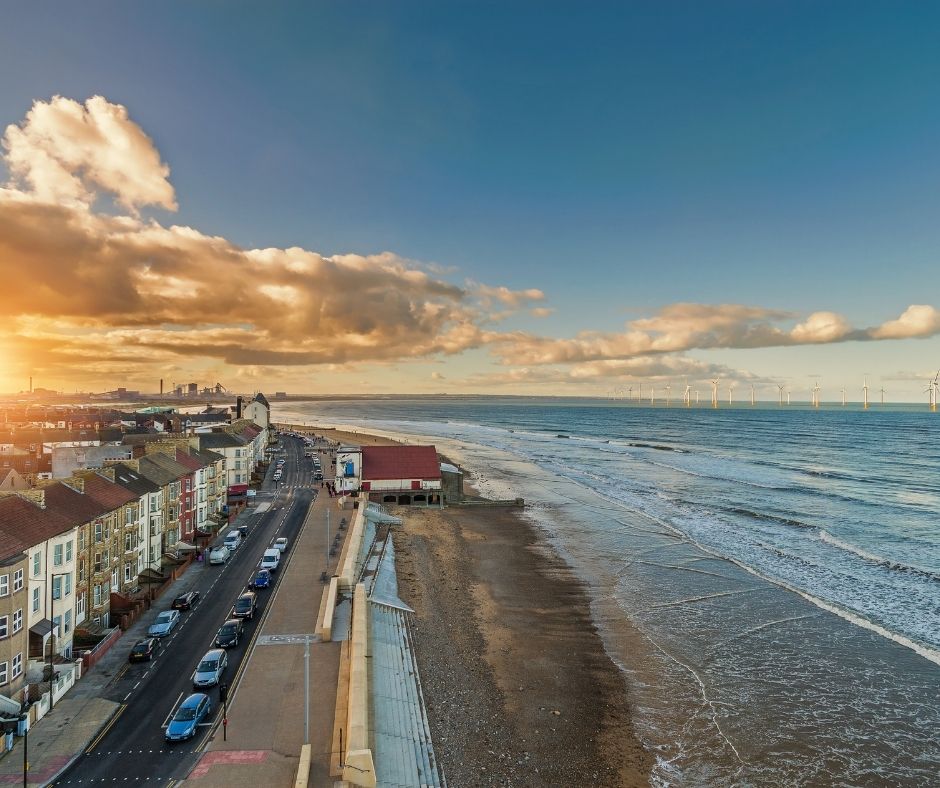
{"x":238,"y":407}
{"x":161,"y":387}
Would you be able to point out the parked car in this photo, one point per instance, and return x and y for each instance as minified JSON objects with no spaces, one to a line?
{"x":270,"y":559}
{"x":164,"y":624}
{"x":245,"y":605}
{"x":230,"y":633}
{"x":262,"y":579}
{"x":232,"y":540}
{"x":191,"y":712}
{"x":186,"y":601}
{"x":210,"y":668}
{"x":243,"y":530}
{"x":219,"y":555}
{"x":280,"y":543}
{"x":143,"y":650}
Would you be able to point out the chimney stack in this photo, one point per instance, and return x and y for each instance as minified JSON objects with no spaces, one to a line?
{"x":161,"y":387}
{"x":238,"y":408}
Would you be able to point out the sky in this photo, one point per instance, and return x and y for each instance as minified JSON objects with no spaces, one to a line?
{"x":463,"y":197}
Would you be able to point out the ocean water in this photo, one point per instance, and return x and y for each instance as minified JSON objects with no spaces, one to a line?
{"x":768,"y":578}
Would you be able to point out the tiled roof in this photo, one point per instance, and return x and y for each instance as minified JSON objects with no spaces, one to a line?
{"x":259,"y":397}
{"x":219,"y":440}
{"x":156,"y":472}
{"x":130,"y":479}
{"x":189,"y":461}
{"x":168,"y":462}
{"x":107,"y":493}
{"x":74,"y":506}
{"x":400,"y":462}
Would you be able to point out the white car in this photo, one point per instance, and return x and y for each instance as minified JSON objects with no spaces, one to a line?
{"x":280,"y":543}
{"x":219,"y":555}
{"x":232,"y":540}
{"x":270,"y":560}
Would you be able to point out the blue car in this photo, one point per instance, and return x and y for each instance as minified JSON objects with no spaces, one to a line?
{"x":164,"y":624}
{"x":191,"y":712}
{"x":262,"y":579}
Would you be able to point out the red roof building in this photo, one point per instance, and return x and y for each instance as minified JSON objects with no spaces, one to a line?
{"x":390,"y":474}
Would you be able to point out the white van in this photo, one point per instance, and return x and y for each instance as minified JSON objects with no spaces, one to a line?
{"x":232,"y":540}
{"x":271,"y":559}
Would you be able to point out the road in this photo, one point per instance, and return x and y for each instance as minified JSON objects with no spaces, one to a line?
{"x":132,"y":749}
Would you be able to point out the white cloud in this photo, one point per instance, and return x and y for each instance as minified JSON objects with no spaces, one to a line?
{"x":65,"y":151}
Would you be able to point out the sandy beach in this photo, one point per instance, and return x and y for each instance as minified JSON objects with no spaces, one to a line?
{"x":519,"y":688}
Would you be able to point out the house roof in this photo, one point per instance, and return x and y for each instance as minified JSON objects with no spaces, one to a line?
{"x":169,"y":462}
{"x":400,"y":462}
{"x":219,"y":440}
{"x":107,"y":492}
{"x":130,"y":479}
{"x":158,"y":472}
{"x":190,"y":461}
{"x":75,"y":507}
{"x":259,"y":397}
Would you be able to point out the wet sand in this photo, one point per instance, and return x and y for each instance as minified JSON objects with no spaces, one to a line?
{"x":518,"y":686}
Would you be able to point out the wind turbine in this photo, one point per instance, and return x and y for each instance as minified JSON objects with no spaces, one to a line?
{"x":652,"y":394}
{"x":696,"y":396}
{"x":788,"y":396}
{"x":687,"y":396}
{"x":882,"y":395}
{"x":865,"y":394}
{"x":730,"y":392}
{"x":843,"y":396}
{"x":816,"y":394}
{"x":932,"y":388}
{"x":668,"y":389}
{"x":715,"y":383}
{"x":781,"y":387}
{"x":752,"y":395}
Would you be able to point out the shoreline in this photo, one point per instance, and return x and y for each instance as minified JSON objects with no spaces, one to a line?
{"x":522,"y":691}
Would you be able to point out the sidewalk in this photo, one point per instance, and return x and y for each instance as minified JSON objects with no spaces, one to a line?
{"x":59,"y":738}
{"x":266,"y":715}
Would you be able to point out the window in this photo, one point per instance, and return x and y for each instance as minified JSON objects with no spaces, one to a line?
{"x":99,"y":530}
{"x":68,"y":584}
{"x":4,"y":626}
{"x":172,"y":513}
{"x":189,"y":484}
{"x":81,"y":541}
{"x":96,"y":595}
{"x":17,"y":620}
{"x":57,"y":626}
{"x":37,"y":564}
{"x":128,"y":573}
{"x":58,"y":551}
{"x":17,"y":580}
{"x":35,"y":600}
{"x":153,"y":504}
{"x":128,"y":542}
{"x":4,"y":585}
{"x":153,"y":527}
{"x":128,"y":516}
{"x":68,"y":621}
{"x":81,"y":570}
{"x":97,"y":563}
{"x":5,"y":672}
{"x":68,"y":550}
{"x":106,"y":557}
{"x":17,"y":664}
{"x":57,"y":587}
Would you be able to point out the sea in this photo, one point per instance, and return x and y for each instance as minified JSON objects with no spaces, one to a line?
{"x":767,"y":577}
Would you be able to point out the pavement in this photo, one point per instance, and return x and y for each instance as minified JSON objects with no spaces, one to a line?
{"x":261,"y":743}
{"x":57,"y":740}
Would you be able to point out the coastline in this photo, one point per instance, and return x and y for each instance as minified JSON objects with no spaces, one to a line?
{"x":519,"y":687}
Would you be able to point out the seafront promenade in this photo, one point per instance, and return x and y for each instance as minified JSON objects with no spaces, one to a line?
{"x":262,"y":743}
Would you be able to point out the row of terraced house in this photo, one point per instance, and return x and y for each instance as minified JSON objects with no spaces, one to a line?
{"x":73,"y":547}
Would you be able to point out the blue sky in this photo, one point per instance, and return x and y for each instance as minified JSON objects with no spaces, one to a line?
{"x":619,"y":157}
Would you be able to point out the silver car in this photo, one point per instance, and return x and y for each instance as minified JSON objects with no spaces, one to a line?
{"x":210,"y":668}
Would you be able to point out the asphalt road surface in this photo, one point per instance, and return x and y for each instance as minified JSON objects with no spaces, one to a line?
{"x":133,"y":749}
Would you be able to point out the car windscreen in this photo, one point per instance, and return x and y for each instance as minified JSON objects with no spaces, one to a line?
{"x":208,"y":666}
{"x":242,"y":604}
{"x":141,"y":648}
{"x":227,"y":629}
{"x":164,"y":618}
{"x":185,"y":715}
